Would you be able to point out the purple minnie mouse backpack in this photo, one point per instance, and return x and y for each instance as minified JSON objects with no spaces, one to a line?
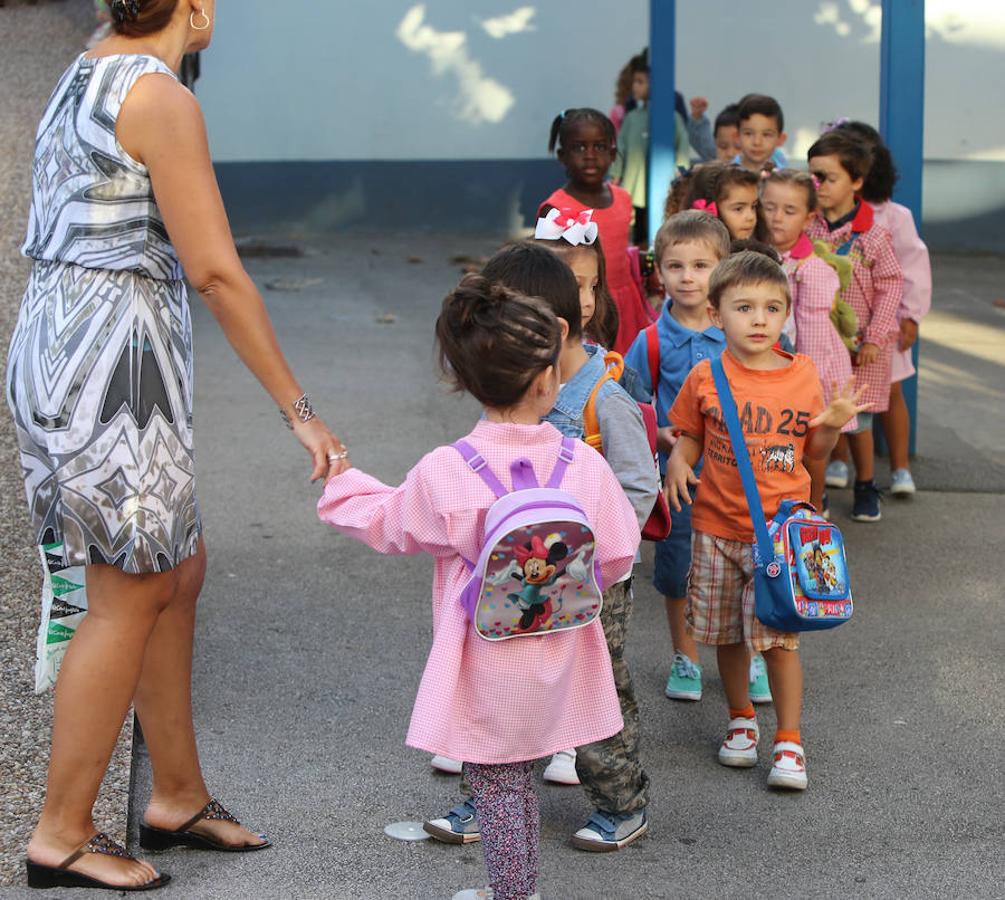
{"x":537,"y":572}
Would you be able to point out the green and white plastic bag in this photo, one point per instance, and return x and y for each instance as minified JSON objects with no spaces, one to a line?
{"x":64,"y":605}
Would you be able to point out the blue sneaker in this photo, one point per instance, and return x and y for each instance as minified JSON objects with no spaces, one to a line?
{"x":837,"y":474}
{"x":866,"y":505}
{"x":684,"y":682}
{"x":760,"y":692}
{"x":901,"y":483}
{"x":459,"y":826}
{"x":604,"y":831}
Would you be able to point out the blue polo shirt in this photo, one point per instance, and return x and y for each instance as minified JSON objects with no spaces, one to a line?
{"x":681,"y":349}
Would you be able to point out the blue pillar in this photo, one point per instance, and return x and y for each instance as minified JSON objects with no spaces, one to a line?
{"x":662,"y":64}
{"x":901,"y":122}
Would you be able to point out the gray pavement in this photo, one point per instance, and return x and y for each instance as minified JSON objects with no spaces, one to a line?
{"x":310,"y":648}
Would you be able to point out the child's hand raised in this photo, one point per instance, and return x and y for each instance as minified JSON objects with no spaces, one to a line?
{"x":845,"y":404}
{"x":698,"y":107}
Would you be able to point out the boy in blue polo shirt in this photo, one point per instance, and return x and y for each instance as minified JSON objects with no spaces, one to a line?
{"x":687,"y":248}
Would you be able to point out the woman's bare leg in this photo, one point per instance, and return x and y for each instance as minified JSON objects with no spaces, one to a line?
{"x":95,"y":687}
{"x":164,"y":708}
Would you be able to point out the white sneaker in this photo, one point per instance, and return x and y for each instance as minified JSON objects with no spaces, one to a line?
{"x":446,"y":764}
{"x":562,"y":768}
{"x":789,"y":767}
{"x":739,"y":747}
{"x":837,"y":474}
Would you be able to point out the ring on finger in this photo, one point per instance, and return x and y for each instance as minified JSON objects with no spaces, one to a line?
{"x":338,"y":457}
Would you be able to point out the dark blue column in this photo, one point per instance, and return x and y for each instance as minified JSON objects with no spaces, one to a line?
{"x":662,"y":63}
{"x":901,"y":122}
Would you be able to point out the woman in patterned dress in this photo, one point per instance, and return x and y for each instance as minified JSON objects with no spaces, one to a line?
{"x":125,"y":203}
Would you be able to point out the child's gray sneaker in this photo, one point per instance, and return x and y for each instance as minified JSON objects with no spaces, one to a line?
{"x":604,"y":832}
{"x":459,"y":826}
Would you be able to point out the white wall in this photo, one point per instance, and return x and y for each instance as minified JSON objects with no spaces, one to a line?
{"x":397,"y":79}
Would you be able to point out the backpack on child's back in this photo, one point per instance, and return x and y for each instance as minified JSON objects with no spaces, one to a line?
{"x":537,"y":572}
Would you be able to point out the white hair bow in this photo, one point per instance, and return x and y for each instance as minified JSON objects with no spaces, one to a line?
{"x":576,"y":228}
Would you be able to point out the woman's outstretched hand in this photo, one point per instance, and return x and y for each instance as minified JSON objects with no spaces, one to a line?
{"x":328,"y":453}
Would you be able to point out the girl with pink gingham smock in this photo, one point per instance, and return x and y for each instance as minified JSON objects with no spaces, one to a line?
{"x":840,"y":162}
{"x":497,"y":705}
{"x":912,"y":254}
{"x":789,"y":201}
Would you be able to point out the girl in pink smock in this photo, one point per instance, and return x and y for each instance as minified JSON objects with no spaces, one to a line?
{"x":789,"y":201}
{"x":846,"y":224}
{"x":497,"y":705}
{"x":912,"y":254}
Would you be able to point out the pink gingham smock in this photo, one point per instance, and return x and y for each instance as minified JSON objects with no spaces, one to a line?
{"x":876,"y":287}
{"x":912,"y":254}
{"x":518,"y":699}
{"x":814,"y":285}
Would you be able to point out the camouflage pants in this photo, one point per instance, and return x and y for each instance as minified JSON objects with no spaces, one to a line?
{"x":610,"y":770}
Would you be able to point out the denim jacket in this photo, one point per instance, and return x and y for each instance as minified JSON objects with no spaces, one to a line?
{"x":567,"y":413}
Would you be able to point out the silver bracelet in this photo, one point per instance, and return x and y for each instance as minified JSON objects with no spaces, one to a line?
{"x":303,"y":410}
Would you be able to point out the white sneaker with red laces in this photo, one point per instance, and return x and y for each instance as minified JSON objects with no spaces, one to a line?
{"x":739,"y":747}
{"x":789,"y":767}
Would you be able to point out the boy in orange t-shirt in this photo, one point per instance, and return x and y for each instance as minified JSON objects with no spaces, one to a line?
{"x":780,"y":403}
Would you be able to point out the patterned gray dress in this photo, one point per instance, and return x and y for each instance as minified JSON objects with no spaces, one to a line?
{"x":99,"y":376}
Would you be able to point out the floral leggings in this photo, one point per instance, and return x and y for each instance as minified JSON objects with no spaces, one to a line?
{"x":510,"y":826}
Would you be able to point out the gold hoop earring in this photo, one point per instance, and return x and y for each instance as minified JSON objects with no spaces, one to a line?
{"x":204,"y":27}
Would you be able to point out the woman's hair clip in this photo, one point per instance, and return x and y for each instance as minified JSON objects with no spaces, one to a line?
{"x":833,"y":126}
{"x":705,"y":206}
{"x":578,"y":229}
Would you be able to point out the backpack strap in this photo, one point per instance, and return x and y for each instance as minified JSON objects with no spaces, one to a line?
{"x":653,"y":353}
{"x":765,"y":546}
{"x":566,"y":453}
{"x":615,"y":365}
{"x":476,"y":462}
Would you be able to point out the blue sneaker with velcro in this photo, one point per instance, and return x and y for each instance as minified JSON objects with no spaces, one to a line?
{"x":459,"y":826}
{"x":604,"y":832}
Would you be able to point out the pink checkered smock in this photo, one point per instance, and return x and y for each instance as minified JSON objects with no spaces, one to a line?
{"x":814,"y":285}
{"x":912,"y":254}
{"x":513,"y":700}
{"x":874,"y":293}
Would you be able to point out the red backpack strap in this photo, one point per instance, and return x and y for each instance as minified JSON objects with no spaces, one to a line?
{"x":653,"y":352}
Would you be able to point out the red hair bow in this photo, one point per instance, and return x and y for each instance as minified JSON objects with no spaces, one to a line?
{"x":705,"y":206}
{"x":537,"y":551}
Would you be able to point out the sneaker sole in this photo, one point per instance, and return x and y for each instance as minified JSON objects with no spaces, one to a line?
{"x":787,"y":782}
{"x":902,"y":492}
{"x":553,"y":779}
{"x":761,"y":698}
{"x":608,"y":846}
{"x":839,"y":483}
{"x":737,"y":761}
{"x":449,"y":837}
{"x":863,"y":518}
{"x":682,"y":695}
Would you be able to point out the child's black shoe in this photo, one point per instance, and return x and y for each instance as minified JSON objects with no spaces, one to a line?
{"x":866,"y":507}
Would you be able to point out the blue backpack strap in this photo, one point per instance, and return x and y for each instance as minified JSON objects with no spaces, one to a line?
{"x":765,"y":546}
{"x":476,"y":462}
{"x":566,"y":453}
{"x":845,"y":248}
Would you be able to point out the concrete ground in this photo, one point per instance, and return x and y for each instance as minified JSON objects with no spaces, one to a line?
{"x":310,"y":647}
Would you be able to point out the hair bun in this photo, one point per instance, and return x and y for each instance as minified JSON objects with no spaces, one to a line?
{"x":124,"y":10}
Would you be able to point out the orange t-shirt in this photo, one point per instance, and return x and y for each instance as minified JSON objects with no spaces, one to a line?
{"x":775,"y":407}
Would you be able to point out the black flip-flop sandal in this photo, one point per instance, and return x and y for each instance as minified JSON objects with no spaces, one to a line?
{"x":157,"y":839}
{"x":40,"y":876}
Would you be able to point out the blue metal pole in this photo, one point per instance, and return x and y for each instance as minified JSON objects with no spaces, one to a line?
{"x":662,"y":64}
{"x":901,"y":122}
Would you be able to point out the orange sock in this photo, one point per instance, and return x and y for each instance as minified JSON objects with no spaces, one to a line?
{"x":791,"y":735}
{"x":747,"y":713}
